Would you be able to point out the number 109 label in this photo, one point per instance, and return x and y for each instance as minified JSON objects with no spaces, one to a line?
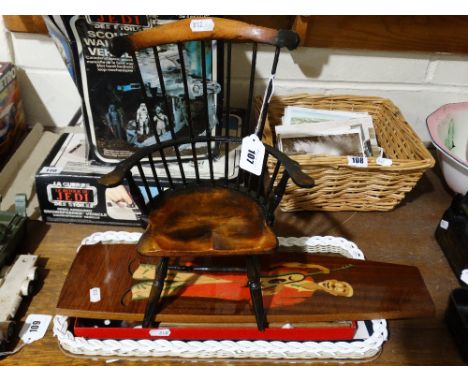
{"x":252,"y":154}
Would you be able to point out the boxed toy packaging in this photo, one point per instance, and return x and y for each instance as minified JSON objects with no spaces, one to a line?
{"x":116,"y":115}
{"x":68,"y":189}
{"x":12,"y":121}
{"x":115,"y":108}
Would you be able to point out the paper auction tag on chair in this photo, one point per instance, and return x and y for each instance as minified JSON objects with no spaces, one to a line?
{"x":252,"y":154}
{"x":202,"y":25}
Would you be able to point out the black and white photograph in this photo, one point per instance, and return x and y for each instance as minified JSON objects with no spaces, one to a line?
{"x":333,"y":144}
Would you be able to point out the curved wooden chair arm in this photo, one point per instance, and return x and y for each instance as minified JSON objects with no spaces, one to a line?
{"x":300,"y":178}
{"x":113,"y":178}
{"x":223,"y":29}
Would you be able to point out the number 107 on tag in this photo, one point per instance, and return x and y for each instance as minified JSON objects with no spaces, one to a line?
{"x":252,"y":154}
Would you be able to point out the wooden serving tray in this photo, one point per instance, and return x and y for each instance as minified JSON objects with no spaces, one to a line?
{"x":297,"y":287}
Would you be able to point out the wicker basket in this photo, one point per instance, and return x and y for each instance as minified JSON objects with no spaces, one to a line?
{"x":340,"y":187}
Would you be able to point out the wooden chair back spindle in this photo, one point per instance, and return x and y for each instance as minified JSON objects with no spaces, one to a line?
{"x":217,"y":137}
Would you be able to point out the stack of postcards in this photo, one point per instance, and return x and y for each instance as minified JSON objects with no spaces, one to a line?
{"x":326,"y":132}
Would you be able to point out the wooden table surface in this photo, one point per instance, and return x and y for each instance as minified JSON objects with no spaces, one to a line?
{"x":404,"y":235}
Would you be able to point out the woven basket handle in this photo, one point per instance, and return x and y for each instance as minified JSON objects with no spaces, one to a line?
{"x":186,"y":30}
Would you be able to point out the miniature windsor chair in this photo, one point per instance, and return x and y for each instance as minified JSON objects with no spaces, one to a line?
{"x":209,"y":205}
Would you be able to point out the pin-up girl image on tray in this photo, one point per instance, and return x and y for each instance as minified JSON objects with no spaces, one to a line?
{"x":282,"y":285}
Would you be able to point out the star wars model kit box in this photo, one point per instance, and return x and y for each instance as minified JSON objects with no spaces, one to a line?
{"x":68,"y":190}
{"x":12,"y":121}
{"x":123,"y":104}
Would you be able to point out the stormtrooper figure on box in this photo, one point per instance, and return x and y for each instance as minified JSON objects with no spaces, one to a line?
{"x":142,"y":120}
{"x":161,"y":121}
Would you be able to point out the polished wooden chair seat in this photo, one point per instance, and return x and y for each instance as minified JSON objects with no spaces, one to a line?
{"x":206,"y":221}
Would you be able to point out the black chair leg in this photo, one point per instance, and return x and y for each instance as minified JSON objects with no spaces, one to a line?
{"x":255,"y":287}
{"x":156,"y":290}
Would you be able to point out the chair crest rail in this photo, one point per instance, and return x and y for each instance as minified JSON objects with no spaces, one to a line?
{"x":223,"y":29}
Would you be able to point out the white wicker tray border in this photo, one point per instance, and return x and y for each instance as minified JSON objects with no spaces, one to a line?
{"x":309,"y":350}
